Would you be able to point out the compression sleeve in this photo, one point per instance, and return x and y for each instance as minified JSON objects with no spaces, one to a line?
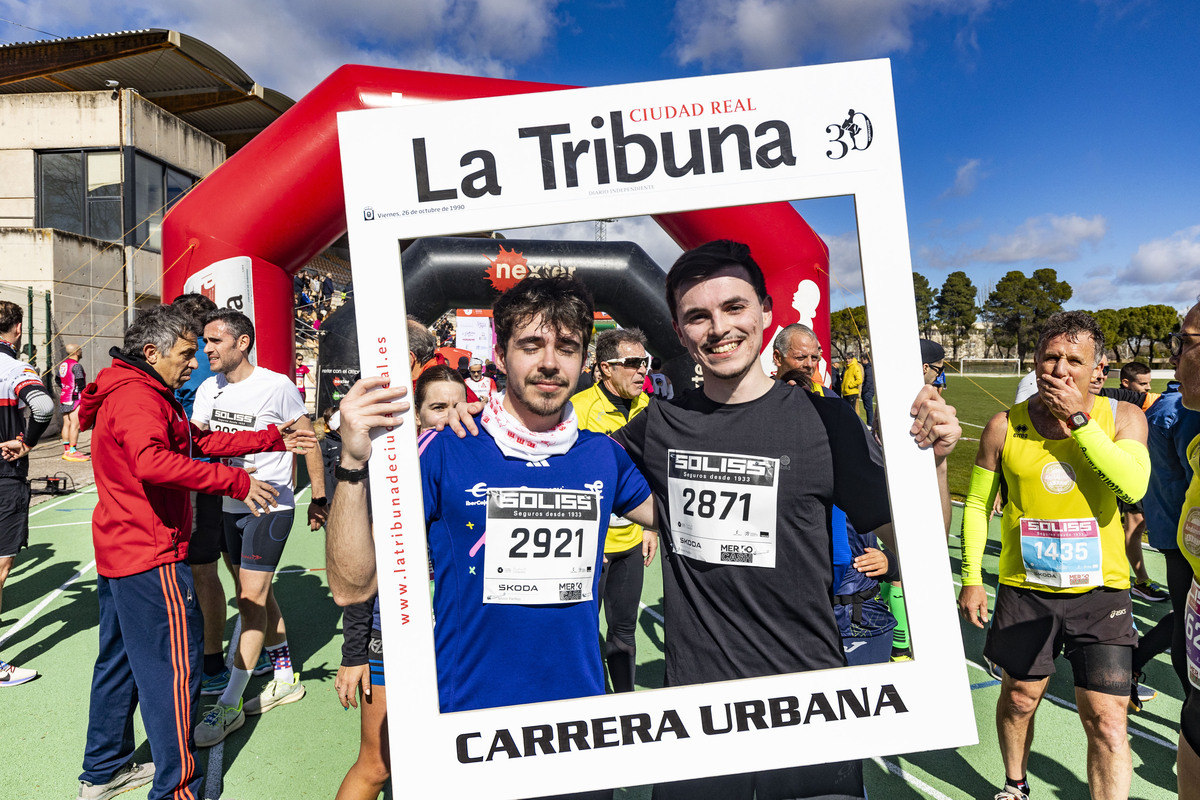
{"x":41,"y":410}
{"x":976,"y":508}
{"x":1123,"y":466}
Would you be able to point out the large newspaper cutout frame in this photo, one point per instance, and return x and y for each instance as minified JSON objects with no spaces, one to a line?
{"x":498,"y":163}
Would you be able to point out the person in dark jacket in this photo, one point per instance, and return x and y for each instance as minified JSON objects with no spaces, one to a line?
{"x":143,"y":447}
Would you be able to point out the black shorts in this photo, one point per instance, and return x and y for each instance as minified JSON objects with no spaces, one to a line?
{"x":1127,"y":508}
{"x":1030,"y":628}
{"x":208,"y":530}
{"x":14,"y":516}
{"x":256,"y":543}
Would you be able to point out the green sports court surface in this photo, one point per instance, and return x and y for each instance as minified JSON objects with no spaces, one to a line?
{"x":303,"y":750}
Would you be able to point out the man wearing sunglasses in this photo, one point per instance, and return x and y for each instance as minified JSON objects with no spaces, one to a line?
{"x":604,"y":407}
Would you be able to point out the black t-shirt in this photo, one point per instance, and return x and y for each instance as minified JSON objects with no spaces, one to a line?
{"x":727,"y":621}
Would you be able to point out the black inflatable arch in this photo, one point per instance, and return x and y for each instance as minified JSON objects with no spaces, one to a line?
{"x":442,"y":273}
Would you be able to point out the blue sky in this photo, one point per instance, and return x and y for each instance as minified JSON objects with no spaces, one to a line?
{"x":1061,"y":133}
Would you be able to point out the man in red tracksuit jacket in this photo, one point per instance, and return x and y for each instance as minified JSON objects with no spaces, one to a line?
{"x":150,"y":624}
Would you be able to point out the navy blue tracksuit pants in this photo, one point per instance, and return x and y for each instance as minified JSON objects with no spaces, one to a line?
{"x":150,"y":647}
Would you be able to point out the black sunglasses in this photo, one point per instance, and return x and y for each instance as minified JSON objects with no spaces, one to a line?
{"x":1175,"y":341}
{"x":632,"y":362}
{"x":936,"y":369}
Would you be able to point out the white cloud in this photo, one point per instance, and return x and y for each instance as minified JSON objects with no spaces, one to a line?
{"x":1175,"y":258}
{"x":1048,"y":239}
{"x":292,"y":46}
{"x":966,"y":178}
{"x":776,"y":33}
{"x":845,"y":269}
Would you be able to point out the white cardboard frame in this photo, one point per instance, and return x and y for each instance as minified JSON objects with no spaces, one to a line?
{"x":384,"y":206}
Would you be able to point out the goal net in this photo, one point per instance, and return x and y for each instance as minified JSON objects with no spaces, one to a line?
{"x":985,"y":366}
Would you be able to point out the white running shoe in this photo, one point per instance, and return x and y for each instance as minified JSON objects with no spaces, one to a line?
{"x":275,"y":693}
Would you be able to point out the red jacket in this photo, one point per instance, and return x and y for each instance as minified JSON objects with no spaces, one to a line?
{"x":142,"y":448}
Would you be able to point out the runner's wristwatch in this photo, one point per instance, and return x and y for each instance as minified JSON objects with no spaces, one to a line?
{"x":1078,"y":420}
{"x":349,"y":475}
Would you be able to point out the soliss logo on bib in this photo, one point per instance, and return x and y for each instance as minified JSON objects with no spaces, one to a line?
{"x":1058,"y":478}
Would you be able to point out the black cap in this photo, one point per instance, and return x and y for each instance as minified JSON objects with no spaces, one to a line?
{"x":931,"y":352}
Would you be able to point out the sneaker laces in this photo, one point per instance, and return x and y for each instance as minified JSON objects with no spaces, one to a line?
{"x":217,"y":714}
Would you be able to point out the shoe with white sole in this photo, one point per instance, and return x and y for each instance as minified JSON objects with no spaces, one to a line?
{"x":218,"y":722}
{"x":128,"y":777}
{"x":15,"y":676}
{"x":275,"y":693}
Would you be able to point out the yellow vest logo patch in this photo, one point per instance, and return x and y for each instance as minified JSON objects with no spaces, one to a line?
{"x":1058,"y":478}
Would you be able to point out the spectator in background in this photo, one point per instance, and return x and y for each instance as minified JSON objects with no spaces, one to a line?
{"x":302,"y":371}
{"x":796,"y":348}
{"x":852,"y":381}
{"x":1135,"y":377}
{"x":20,"y":389}
{"x":868,"y":390}
{"x":208,"y":535}
{"x":482,"y":386}
{"x":149,"y":630}
{"x":71,"y":380}
{"x":628,"y":549}
{"x":1171,"y":429}
{"x":663,"y":389}
{"x":327,"y":289}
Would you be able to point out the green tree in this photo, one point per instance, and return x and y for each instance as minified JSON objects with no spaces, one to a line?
{"x":956,"y":309}
{"x":1109,"y":322}
{"x":848,"y":331}
{"x":1146,"y":325}
{"x":1020,"y":305}
{"x":926,"y":298}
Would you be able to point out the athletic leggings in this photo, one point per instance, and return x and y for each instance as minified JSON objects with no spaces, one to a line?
{"x":620,"y":594}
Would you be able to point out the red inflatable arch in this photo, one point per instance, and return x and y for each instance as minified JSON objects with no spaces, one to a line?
{"x":279,"y":202}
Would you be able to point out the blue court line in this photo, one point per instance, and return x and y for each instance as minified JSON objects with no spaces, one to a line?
{"x":984,"y":684}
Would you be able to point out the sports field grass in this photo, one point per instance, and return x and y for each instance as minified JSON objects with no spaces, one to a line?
{"x":302,"y":751}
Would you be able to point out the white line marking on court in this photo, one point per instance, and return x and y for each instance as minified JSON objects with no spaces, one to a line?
{"x":652,"y":613}
{"x":60,"y":525}
{"x":33,"y":612}
{"x":910,"y":779}
{"x":47,"y":506}
{"x":972,"y":424}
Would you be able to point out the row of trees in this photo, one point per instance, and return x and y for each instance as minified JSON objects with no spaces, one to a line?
{"x":1016,"y":308}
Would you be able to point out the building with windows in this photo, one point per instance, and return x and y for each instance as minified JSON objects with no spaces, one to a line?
{"x":99,"y":137}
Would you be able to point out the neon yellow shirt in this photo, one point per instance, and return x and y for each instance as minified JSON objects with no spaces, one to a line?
{"x":1054,"y":499}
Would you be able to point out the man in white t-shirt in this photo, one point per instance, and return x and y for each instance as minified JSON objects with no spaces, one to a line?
{"x":483,"y":387}
{"x":242,"y":396}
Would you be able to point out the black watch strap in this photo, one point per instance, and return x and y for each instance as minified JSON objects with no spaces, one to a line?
{"x":320,"y":502}
{"x":349,"y":475}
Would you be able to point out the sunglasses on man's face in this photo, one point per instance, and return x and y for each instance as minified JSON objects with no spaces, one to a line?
{"x":1175,"y":341}
{"x":633,"y":362}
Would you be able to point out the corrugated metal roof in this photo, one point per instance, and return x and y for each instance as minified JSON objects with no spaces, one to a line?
{"x":178,"y":72}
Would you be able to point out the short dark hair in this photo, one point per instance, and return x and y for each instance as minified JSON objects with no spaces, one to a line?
{"x":11,"y":315}
{"x":161,"y":326}
{"x":1134,"y":370}
{"x":438,"y":373}
{"x":701,"y":262}
{"x":420,"y":341}
{"x":608,"y":343}
{"x":1072,"y":324}
{"x":195,"y":305}
{"x":563,"y":302}
{"x":238,"y":323}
